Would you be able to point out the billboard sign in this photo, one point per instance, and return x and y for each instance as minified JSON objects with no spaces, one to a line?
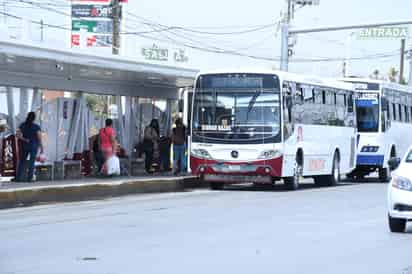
{"x":93,"y":26}
{"x":96,"y":11}
{"x":93,"y":40}
{"x":157,"y":53}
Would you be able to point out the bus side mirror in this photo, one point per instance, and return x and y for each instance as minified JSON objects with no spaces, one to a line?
{"x":180,"y":105}
{"x":385,"y":104}
{"x":394,"y":163}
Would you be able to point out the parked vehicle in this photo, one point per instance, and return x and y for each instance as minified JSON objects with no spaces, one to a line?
{"x":384,"y":118}
{"x":264,"y":126}
{"x":400,"y":193}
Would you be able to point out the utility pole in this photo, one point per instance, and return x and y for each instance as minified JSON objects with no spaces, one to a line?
{"x":289,"y":12}
{"x":41,"y":30}
{"x":4,"y":13}
{"x":284,"y":27}
{"x":402,"y":61}
{"x":284,"y":47}
{"x":116,"y":27}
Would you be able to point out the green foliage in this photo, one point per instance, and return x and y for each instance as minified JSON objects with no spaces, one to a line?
{"x":97,"y":103}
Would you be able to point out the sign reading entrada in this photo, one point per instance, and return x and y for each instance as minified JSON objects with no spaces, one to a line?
{"x":384,"y":33}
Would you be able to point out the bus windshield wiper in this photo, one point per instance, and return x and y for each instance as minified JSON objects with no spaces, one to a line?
{"x":252,"y":102}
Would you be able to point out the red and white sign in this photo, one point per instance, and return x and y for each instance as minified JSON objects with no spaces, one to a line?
{"x":75,"y":40}
{"x":92,"y":40}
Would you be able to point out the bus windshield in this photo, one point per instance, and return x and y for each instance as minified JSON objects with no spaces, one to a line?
{"x":367,"y":113}
{"x":236,"y":115}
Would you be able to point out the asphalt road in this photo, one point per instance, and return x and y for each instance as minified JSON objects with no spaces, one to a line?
{"x":241,"y":230}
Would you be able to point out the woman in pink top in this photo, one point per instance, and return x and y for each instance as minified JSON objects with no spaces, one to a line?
{"x":107,"y":136}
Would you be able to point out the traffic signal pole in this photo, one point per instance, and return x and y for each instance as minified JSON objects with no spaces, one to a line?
{"x":116,"y":27}
{"x":284,"y":57}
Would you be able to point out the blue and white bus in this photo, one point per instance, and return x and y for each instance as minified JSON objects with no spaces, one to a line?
{"x":384,"y":121}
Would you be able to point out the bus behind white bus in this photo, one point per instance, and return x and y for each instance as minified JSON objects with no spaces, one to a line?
{"x":262,"y":127}
{"x":384,"y":121}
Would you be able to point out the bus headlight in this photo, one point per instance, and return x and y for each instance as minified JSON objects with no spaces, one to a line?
{"x":401,"y":183}
{"x":201,"y":153}
{"x":270,"y":154}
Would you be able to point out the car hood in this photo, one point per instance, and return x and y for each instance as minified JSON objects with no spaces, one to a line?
{"x":404,"y":170}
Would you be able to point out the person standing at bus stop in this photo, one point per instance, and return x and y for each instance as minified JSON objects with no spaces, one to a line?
{"x":29,"y":135}
{"x":151,"y":144}
{"x":179,"y":147}
{"x":107,"y":138}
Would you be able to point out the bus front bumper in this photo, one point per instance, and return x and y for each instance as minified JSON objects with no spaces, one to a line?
{"x":370,"y":160}
{"x":260,"y":171}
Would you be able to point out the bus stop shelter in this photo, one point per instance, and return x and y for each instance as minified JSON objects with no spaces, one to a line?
{"x":73,"y":93}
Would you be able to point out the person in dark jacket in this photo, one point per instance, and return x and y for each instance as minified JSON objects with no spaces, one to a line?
{"x":151,"y":144}
{"x":29,"y":135}
{"x":179,"y":147}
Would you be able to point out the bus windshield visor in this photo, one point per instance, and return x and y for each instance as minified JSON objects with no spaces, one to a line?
{"x":245,"y":116}
{"x":367,"y":113}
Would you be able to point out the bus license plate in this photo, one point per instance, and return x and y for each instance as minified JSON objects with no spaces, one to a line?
{"x":234,"y":168}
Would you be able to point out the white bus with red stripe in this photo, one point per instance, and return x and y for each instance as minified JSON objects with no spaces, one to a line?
{"x":264,"y":126}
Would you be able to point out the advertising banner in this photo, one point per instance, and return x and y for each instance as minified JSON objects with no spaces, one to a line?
{"x":93,"y":40}
{"x":95,"y":11}
{"x":93,"y":26}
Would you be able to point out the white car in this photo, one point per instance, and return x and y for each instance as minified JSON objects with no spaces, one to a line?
{"x":400,"y":193}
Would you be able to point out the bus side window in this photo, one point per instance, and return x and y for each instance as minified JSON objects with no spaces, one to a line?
{"x":287,"y":111}
{"x":410,"y":112}
{"x":393,"y":111}
{"x":385,"y":117}
{"x":287,"y":116}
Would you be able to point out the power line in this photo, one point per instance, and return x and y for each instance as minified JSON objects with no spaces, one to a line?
{"x":212,"y":49}
{"x":193,"y":30}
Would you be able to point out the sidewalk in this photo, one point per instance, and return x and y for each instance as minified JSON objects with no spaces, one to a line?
{"x":26,"y":194}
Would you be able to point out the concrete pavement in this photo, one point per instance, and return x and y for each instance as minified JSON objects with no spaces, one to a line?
{"x":241,"y":230}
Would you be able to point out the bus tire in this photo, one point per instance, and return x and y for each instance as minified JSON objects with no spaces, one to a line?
{"x":217,"y":186}
{"x":384,"y":175}
{"x":332,"y":179}
{"x":292,"y":183}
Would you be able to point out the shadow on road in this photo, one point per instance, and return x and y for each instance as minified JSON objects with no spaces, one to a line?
{"x":369,"y":180}
{"x":279,"y":187}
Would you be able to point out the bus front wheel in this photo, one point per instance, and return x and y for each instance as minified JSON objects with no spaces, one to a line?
{"x":217,"y":186}
{"x":384,"y":174}
{"x":292,"y":183}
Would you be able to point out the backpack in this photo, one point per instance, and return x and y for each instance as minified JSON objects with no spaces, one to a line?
{"x":96,"y":144}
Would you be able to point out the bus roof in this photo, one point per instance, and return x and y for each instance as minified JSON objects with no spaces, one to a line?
{"x":382,"y":83}
{"x":287,"y":76}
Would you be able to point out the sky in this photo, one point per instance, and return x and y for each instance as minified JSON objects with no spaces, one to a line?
{"x":233,"y":16}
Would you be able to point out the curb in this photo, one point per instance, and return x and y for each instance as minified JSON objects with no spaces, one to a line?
{"x":11,"y":198}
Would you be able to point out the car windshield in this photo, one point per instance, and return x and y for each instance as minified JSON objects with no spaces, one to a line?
{"x":409,"y":157}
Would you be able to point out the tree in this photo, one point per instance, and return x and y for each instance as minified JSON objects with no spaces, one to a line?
{"x":393,"y":74}
{"x":375,"y":74}
{"x":96,"y":103}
